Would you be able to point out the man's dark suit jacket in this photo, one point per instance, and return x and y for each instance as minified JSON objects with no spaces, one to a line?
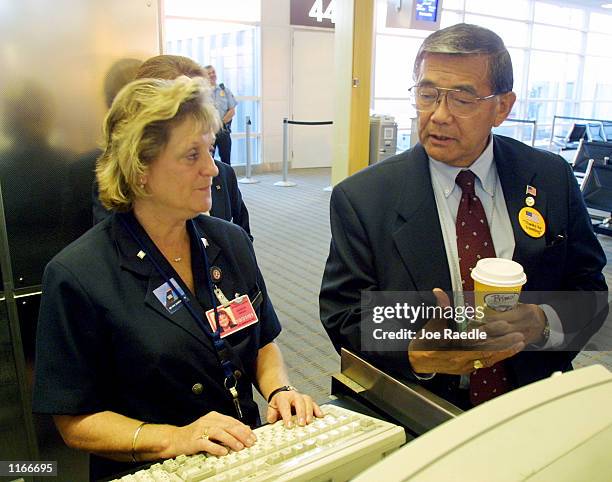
{"x":386,"y":236}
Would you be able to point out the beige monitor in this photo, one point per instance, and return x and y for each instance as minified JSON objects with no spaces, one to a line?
{"x":558,"y":429}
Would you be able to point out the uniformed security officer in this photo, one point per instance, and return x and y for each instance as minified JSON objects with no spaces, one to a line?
{"x":226,"y":106}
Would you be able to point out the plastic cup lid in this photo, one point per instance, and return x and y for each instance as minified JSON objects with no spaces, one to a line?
{"x":499,"y":272}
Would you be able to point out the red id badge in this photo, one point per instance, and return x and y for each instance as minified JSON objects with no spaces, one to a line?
{"x":235,"y":316}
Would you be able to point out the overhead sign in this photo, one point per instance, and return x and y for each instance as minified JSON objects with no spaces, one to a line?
{"x":414,"y":14}
{"x":312,"y":13}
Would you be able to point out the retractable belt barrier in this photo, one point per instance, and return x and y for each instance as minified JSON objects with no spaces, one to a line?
{"x":286,"y":122}
{"x":248,"y":179}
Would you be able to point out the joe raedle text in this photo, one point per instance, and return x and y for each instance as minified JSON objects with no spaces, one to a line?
{"x":446,"y":334}
{"x":387,"y":320}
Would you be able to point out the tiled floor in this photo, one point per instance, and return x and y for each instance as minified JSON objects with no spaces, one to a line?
{"x":291,"y":230}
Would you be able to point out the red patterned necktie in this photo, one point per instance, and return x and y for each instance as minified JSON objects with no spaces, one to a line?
{"x":473,"y":243}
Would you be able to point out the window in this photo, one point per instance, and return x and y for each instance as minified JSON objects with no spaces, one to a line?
{"x":560,"y":67}
{"x":555,"y":15}
{"x":234,"y":50}
{"x":556,"y":38}
{"x":514,"y":33}
{"x":234,"y":10}
{"x":519,"y":10}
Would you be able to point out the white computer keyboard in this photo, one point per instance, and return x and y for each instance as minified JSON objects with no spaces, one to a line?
{"x":334,"y":448}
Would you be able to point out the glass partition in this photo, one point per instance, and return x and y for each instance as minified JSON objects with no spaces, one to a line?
{"x":233,"y":49}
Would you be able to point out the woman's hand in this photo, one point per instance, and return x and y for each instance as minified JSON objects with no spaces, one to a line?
{"x":282,"y":404}
{"x":213,"y":433}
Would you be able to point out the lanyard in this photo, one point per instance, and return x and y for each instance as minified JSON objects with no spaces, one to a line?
{"x":222,"y":351}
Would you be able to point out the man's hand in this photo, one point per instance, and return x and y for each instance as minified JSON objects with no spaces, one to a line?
{"x":527,"y":319}
{"x":458,"y":357}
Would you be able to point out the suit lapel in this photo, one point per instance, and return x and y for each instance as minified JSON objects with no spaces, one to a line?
{"x":515,"y":175}
{"x":418,"y":237}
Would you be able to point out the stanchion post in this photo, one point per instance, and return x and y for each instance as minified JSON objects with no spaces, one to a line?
{"x":248,"y":179}
{"x":285,"y":182}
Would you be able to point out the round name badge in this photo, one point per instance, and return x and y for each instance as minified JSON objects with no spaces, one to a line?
{"x":216,"y":274}
{"x":532,"y":222}
{"x":529,"y":201}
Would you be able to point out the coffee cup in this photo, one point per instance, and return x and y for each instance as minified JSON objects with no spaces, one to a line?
{"x":497,"y":284}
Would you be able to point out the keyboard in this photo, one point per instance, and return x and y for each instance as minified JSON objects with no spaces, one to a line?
{"x":333,"y":448}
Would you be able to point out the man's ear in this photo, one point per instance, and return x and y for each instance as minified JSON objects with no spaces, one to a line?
{"x":504,"y":107}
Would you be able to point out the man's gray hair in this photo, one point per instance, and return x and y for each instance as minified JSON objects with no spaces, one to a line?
{"x":466,"y":39}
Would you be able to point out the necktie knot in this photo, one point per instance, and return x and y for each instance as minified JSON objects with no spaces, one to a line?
{"x":466,"y":180}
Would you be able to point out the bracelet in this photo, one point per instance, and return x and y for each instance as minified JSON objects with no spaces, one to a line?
{"x":285,"y":388}
{"x":136,"y":433}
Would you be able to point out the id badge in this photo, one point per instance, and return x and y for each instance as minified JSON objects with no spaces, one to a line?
{"x":168,"y":297}
{"x":237,"y":315}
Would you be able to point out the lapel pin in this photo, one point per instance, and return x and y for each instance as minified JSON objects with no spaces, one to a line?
{"x":532,"y":191}
{"x":530,"y":201}
{"x":205,"y":242}
{"x":216,"y":274}
{"x":218,"y":187}
{"x":141,"y":254}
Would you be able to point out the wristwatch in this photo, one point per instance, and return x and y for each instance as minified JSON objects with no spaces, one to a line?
{"x":284,"y":388}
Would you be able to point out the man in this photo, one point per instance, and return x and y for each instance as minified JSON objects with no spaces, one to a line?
{"x":226,"y":106}
{"x":400,"y":226}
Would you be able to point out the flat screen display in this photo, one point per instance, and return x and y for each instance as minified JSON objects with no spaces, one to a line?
{"x":426,"y":10}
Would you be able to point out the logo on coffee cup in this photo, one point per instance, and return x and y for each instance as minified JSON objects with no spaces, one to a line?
{"x":501,"y":301}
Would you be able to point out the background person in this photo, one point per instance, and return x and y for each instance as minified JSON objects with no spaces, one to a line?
{"x":399,"y":226}
{"x":126,"y":377}
{"x":82,"y":209}
{"x":226,"y":106}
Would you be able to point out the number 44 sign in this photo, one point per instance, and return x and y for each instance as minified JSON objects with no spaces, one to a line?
{"x":317,"y":11}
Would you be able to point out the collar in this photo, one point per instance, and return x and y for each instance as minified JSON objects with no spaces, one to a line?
{"x":130,"y":252}
{"x":481,"y":167}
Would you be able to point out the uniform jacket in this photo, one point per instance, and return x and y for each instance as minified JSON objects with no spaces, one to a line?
{"x":386,"y":236}
{"x":105,"y":342}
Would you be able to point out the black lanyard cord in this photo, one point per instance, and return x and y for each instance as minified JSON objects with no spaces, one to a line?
{"x":219,"y":345}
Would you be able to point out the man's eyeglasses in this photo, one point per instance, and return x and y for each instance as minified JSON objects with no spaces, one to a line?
{"x":460,"y":103}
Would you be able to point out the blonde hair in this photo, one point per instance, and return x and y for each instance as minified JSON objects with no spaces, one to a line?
{"x":137,"y":127}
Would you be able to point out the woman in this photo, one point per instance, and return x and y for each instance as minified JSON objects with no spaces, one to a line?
{"x":131,"y":371}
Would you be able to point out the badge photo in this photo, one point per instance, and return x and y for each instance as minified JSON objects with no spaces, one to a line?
{"x":237,"y":315}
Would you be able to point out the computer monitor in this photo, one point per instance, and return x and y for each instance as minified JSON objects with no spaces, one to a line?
{"x":597,"y":187}
{"x":426,"y":14}
{"x":596,"y":150}
{"x":556,"y":429}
